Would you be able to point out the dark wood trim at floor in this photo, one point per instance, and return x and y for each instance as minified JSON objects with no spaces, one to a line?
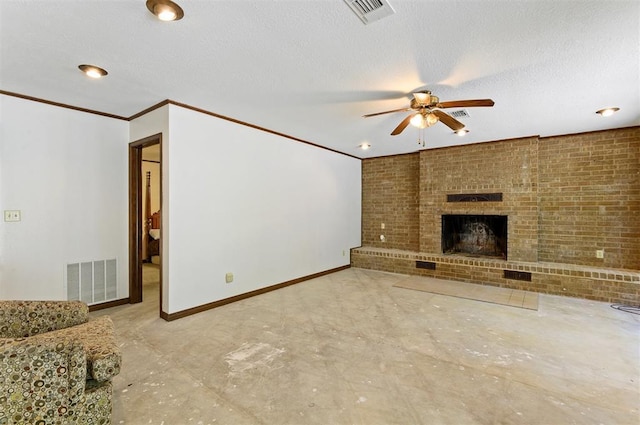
{"x":109,"y":304}
{"x":199,"y":309}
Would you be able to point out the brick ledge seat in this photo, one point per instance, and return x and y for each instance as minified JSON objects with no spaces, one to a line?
{"x":601,"y":284}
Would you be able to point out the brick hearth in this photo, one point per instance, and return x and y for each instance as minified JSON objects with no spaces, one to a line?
{"x":615,"y":286}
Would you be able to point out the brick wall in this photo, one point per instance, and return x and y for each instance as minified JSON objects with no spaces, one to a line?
{"x":509,"y":167}
{"x":565,"y":196}
{"x":390,"y":196}
{"x":590,"y":198}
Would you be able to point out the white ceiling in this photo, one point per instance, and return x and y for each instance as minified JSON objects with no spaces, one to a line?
{"x":311,"y":69}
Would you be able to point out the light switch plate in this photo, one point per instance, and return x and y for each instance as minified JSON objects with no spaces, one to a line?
{"x":11,"y":215}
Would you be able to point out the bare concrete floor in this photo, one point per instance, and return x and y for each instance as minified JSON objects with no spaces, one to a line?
{"x":348,"y":348}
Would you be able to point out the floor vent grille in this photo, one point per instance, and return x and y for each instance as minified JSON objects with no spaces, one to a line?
{"x":370,"y":10}
{"x":92,"y":281}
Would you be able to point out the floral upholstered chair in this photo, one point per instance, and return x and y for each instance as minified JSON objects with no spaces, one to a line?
{"x":56,"y":365}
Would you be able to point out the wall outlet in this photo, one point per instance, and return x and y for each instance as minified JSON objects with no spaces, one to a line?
{"x":344,"y":252}
{"x":12,"y":215}
{"x":228,"y":277}
{"x":600,"y":253}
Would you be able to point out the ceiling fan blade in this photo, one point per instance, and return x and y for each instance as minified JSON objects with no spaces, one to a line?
{"x":386,"y":112}
{"x":465,"y":103}
{"x":402,"y":125}
{"x":448,"y":120}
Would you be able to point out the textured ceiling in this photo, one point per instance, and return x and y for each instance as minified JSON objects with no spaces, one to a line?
{"x":311,"y":69}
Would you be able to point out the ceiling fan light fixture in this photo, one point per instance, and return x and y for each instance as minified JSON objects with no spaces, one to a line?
{"x":426,"y":110}
{"x":424,"y":120}
{"x":432,"y":119}
{"x":425,"y":98}
{"x":419,"y":121}
{"x":165,"y":10}
{"x":92,"y":71}
{"x":607,"y":112}
{"x":422,"y":97}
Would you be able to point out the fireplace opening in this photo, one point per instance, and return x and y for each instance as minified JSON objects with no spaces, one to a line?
{"x":475,"y":235}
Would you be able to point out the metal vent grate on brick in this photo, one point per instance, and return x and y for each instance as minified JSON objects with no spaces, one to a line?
{"x":370,"y":10}
{"x":516,"y":275}
{"x":460,"y":113}
{"x":474,"y":197}
{"x":427,"y":265}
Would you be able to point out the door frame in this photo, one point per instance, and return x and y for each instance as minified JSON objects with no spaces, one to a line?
{"x":136,"y":221}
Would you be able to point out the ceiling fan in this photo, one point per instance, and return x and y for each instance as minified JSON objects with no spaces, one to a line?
{"x":427,"y":110}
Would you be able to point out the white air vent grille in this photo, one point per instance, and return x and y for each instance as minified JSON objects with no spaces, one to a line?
{"x":92,"y":281}
{"x":460,"y":113}
{"x":370,"y":10}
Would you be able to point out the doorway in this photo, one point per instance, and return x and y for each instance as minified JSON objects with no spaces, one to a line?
{"x":145,"y":200}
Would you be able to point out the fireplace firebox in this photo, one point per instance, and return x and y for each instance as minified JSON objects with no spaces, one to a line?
{"x":475,"y":235}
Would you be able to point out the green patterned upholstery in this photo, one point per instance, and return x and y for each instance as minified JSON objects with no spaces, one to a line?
{"x":57,"y":367}
{"x":27,"y":318}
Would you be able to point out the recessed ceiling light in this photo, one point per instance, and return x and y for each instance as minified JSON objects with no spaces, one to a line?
{"x":607,"y":112}
{"x":364,"y":146}
{"x":461,"y":132}
{"x":93,"y":71}
{"x":165,"y":10}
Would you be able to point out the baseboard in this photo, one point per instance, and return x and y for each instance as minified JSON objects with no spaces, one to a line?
{"x":109,"y":304}
{"x":199,"y":309}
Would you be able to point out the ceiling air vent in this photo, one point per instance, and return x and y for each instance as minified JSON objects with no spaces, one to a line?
{"x":460,"y":113}
{"x":370,"y":10}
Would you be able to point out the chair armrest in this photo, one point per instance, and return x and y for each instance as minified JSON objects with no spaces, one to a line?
{"x":40,"y":380}
{"x":99,"y":341}
{"x":26,"y":318}
{"x":103,"y":354}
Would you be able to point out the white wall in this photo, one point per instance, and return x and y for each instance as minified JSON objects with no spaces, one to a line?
{"x":235,"y":199}
{"x":265,"y":208}
{"x":67,"y":172}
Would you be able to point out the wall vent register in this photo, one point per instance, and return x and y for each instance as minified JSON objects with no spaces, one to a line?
{"x":92,"y":281}
{"x":517,"y":275}
{"x":427,"y":265}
